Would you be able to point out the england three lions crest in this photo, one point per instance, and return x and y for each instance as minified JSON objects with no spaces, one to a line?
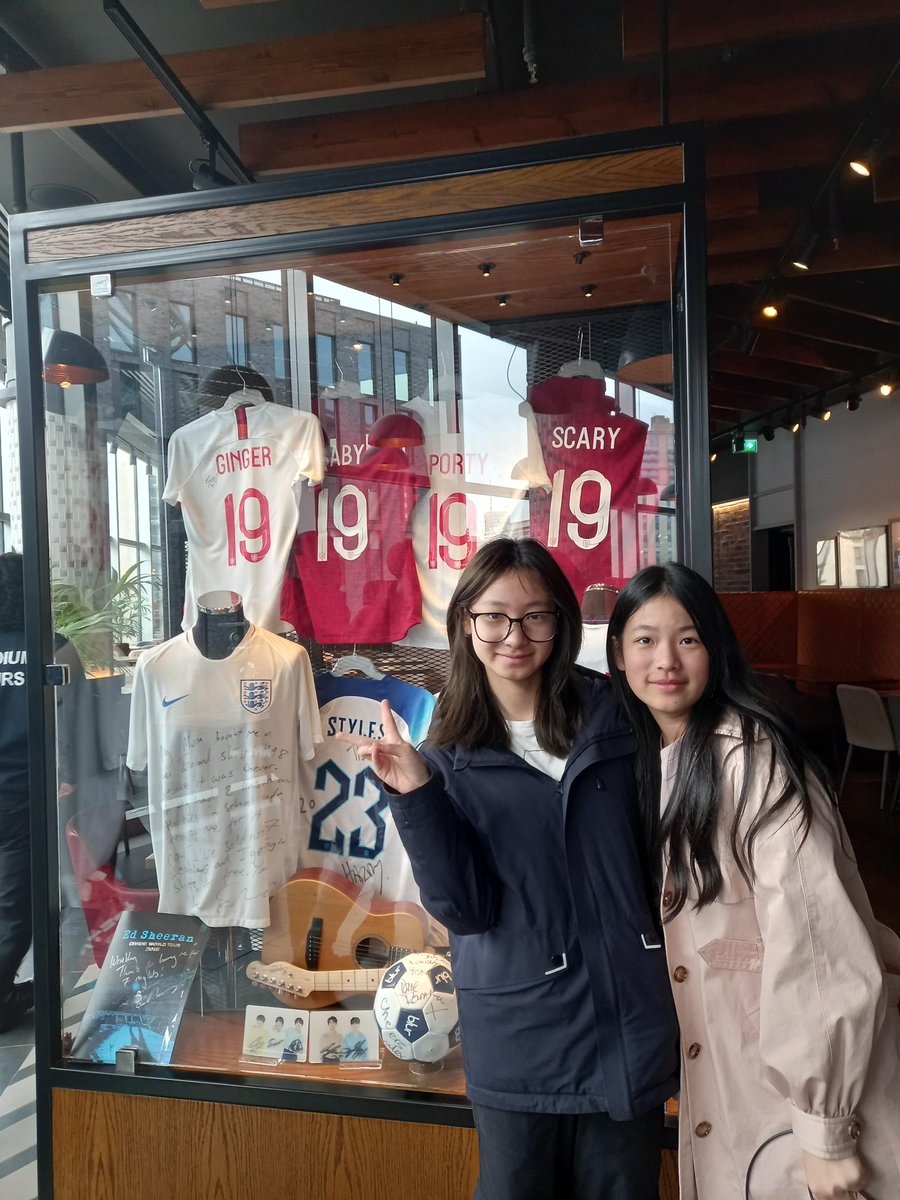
{"x":256,"y":694}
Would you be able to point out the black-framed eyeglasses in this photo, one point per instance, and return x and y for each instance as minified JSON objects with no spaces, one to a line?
{"x":496,"y":627}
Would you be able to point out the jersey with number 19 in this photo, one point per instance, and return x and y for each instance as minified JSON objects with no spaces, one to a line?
{"x":592,"y":456}
{"x":234,"y":473}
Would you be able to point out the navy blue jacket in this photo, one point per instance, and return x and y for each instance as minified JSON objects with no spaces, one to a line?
{"x":561,"y":977}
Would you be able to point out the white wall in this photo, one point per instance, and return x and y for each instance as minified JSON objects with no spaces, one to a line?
{"x":848,"y":475}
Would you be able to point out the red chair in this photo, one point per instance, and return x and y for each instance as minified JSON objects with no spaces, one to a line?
{"x":92,"y":837}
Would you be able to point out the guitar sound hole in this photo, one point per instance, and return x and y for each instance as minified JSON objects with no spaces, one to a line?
{"x":373,"y":952}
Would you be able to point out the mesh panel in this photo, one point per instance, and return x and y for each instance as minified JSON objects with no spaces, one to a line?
{"x":602,"y":336}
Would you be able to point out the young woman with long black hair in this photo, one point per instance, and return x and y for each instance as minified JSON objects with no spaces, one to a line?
{"x":520,"y":818}
{"x":786,"y":986}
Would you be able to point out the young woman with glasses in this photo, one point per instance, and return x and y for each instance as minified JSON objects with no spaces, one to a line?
{"x":520,"y":820}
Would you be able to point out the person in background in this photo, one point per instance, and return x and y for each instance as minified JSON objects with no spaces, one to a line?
{"x":520,"y":818}
{"x":786,"y":986}
{"x":16,"y":999}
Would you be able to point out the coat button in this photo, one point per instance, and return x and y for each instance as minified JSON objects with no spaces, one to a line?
{"x":680,"y":974}
{"x":693,"y":1050}
{"x":703,"y":1129}
{"x":668,"y":899}
{"x":855,"y":1130}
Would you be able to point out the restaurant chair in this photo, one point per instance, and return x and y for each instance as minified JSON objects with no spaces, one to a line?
{"x":866,"y":725}
{"x":894,"y":710}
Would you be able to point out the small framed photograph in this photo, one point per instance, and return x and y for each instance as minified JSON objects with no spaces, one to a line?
{"x":281,"y":1034}
{"x":826,"y":562}
{"x":894,"y":543}
{"x":863,"y":557}
{"x":340,"y":1037}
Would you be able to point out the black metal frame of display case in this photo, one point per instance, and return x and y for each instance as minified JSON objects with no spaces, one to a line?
{"x":693,"y":514}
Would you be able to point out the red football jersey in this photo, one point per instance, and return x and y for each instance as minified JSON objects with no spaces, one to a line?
{"x":592,"y":456}
{"x":353,"y":577}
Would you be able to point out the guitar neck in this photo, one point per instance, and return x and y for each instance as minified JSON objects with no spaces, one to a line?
{"x":284,"y":977}
{"x":346,"y":981}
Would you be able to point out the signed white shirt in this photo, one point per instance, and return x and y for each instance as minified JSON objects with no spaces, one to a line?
{"x":222,"y":742}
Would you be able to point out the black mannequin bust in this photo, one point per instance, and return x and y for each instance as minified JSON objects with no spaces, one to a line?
{"x":221,"y":624}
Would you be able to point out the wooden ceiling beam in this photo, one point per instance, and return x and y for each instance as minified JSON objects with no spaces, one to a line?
{"x":886,"y":186}
{"x":765,"y":231}
{"x":843,"y":329}
{"x":768,"y":389}
{"x":820,"y":80}
{"x":867,"y":294}
{"x":334,"y":64}
{"x":732,"y":198}
{"x":866,"y":250}
{"x":696,"y":25}
{"x":773,"y":144}
{"x":754,"y":366}
{"x":231,"y":3}
{"x":772,"y":344}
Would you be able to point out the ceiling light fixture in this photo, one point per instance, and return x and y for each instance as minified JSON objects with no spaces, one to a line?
{"x":886,"y":388}
{"x":804,"y":258}
{"x":768,"y":433}
{"x":580,"y":256}
{"x":485,"y":268}
{"x":395,"y":277}
{"x":866,"y":162}
{"x":853,"y":401}
{"x":769,"y":310}
{"x":588,"y":290}
{"x":503,"y":299}
{"x":713,"y":457}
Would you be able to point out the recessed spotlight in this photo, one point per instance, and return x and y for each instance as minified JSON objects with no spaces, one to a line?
{"x":395,"y":277}
{"x":713,"y":457}
{"x":503,"y":299}
{"x":769,"y":310}
{"x":588,"y":290}
{"x":485,"y":268}
{"x":886,"y":388}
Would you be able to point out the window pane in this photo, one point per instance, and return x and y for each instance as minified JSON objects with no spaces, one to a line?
{"x":121,"y":321}
{"x":182,"y":337}
{"x":401,"y":375}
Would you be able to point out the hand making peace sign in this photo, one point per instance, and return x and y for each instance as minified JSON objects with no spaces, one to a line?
{"x":394,"y":761}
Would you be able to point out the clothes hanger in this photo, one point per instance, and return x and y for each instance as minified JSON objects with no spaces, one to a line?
{"x":246,"y":396}
{"x":582,"y":368}
{"x":356,"y":662}
{"x":343,"y":387}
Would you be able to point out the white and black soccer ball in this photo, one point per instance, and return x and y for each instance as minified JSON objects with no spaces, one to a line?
{"x":416,"y":1010}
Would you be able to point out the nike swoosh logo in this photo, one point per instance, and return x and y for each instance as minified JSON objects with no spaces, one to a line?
{"x":168,"y":703}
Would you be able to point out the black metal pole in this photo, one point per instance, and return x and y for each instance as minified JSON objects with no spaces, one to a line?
{"x":17,"y":155}
{"x":173,"y":85}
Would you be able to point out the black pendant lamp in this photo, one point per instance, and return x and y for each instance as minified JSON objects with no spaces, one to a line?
{"x":70,"y":359}
{"x":646,"y":352}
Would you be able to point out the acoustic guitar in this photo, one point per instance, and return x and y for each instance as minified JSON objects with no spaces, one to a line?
{"x":321,"y":923}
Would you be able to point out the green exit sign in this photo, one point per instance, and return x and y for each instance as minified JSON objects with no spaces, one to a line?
{"x":744,"y":445}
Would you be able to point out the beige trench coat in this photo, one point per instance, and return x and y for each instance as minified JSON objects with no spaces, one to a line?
{"x":787,"y":1001}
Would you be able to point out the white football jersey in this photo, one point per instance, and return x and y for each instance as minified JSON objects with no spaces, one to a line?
{"x":234,"y":472}
{"x":222,"y":741}
{"x":472,"y":497}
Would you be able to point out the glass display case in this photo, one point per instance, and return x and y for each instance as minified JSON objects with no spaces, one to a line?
{"x":252,"y":473}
